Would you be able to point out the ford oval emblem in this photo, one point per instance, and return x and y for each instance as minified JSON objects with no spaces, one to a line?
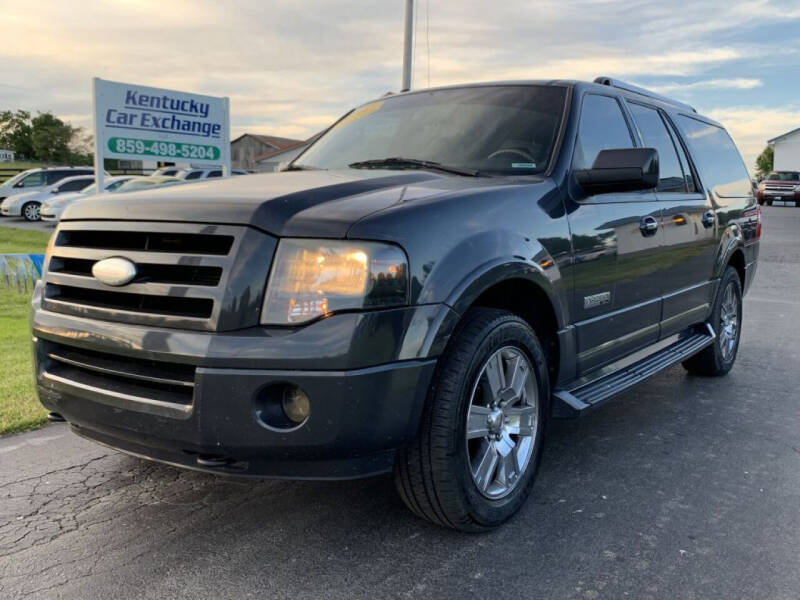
{"x":114,"y":271}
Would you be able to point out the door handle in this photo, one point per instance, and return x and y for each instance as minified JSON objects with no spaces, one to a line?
{"x":648,"y":225}
{"x":709,"y":219}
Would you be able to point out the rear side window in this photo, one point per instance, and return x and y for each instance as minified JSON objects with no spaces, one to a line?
{"x":214,"y":174}
{"x":716,"y":157}
{"x":194,"y":175}
{"x":687,"y":168}
{"x":655,"y":135}
{"x":56,"y":176}
{"x":602,"y":127}
{"x":74,"y":186}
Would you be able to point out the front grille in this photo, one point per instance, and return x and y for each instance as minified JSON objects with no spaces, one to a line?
{"x":153,"y":273}
{"x":194,"y":308}
{"x":780,"y":189}
{"x":197,"y":243}
{"x":136,"y":377}
{"x":184,"y":272}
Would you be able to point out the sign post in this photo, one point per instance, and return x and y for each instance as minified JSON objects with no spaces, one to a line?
{"x":139,"y":122}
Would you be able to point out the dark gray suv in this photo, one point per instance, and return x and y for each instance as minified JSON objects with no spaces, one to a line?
{"x":430,"y":282}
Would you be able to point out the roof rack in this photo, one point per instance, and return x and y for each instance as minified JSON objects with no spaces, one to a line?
{"x":616,"y":83}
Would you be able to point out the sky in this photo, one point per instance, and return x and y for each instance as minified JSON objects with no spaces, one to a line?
{"x":292,"y":67}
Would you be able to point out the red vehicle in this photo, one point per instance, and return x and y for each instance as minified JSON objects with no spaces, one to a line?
{"x":780,"y":186}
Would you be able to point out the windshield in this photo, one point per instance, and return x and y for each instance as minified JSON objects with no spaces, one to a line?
{"x":784,"y":176}
{"x":14,"y":179}
{"x":498,"y":130}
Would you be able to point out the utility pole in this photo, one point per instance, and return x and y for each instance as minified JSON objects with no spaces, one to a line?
{"x":408,"y":43}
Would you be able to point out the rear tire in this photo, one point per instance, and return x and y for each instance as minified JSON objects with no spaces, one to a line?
{"x":30,"y":211}
{"x":474,"y":461}
{"x":726,"y":319}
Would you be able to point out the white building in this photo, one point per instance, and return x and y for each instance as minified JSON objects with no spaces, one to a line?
{"x":787,"y":151}
{"x":6,"y":155}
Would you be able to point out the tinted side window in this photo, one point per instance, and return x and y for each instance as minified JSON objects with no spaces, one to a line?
{"x":56,"y":176}
{"x":74,"y":186}
{"x":687,"y":168}
{"x":716,"y":157}
{"x":655,"y":135}
{"x":194,"y":175}
{"x":602,"y":127}
{"x":214,"y":174}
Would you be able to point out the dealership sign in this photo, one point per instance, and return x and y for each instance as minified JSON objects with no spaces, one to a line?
{"x":134,"y":122}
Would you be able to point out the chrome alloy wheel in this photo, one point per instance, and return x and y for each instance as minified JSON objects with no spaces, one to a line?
{"x":502,"y":422}
{"x":729,"y":322}
{"x":31,"y":211}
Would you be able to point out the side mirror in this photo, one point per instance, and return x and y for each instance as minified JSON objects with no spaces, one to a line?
{"x":19,"y":184}
{"x":623,"y":170}
{"x":53,"y":191}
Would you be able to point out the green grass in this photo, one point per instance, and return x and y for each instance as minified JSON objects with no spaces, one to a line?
{"x":19,"y":408}
{"x":22,"y":241}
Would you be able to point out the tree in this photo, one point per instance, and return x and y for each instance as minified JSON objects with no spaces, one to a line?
{"x":765,"y":162}
{"x":16,"y":132}
{"x":52,"y":138}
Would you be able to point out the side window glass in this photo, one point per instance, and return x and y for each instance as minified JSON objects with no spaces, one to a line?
{"x":194,"y":175}
{"x":687,"y":169}
{"x":655,"y":135}
{"x":33,"y":180}
{"x":602,"y":127}
{"x":214,"y":174}
{"x":73,"y":186}
{"x":55,"y":176}
{"x":718,"y":161}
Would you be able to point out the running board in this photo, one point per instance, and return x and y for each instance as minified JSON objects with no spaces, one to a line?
{"x":580,"y":400}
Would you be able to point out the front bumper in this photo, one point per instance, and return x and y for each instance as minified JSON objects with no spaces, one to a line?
{"x":366,"y":376}
{"x":10,"y":210}
{"x":50,"y":213}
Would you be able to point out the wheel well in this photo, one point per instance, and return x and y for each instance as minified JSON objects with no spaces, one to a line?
{"x":737,"y":262}
{"x":529,"y":302}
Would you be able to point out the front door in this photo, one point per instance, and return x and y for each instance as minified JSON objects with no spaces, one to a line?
{"x":618,"y":247}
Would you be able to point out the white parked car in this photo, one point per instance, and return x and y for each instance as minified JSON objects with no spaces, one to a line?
{"x":147,"y":183}
{"x":196,"y":174}
{"x":29,"y":205}
{"x":34,"y":180}
{"x":51,"y":209}
{"x":166,"y":172}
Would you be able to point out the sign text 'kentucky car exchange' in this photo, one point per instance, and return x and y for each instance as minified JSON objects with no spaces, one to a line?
{"x":138,"y":122}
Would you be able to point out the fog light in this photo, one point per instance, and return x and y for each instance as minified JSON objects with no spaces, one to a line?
{"x":295,"y":404}
{"x":282,"y":406}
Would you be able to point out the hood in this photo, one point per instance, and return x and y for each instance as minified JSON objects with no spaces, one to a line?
{"x":293,"y":203}
{"x":62,"y":199}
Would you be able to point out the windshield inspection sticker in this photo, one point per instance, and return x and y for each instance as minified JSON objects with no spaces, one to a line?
{"x":523,"y":165}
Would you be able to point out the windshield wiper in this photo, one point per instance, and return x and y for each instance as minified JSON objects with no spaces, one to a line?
{"x":397,"y":161}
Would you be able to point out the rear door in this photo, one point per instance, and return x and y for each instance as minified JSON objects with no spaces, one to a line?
{"x":617,"y":270}
{"x":688,"y":225}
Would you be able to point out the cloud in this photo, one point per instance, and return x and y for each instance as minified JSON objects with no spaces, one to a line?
{"x":291,"y":67}
{"x":737,"y":83}
{"x":751,"y":127}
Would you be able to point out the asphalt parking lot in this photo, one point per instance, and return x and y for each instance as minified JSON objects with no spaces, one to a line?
{"x":684,"y":488}
{"x":21,"y":223}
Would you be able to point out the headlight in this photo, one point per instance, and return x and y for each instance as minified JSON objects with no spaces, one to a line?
{"x":313,"y":278}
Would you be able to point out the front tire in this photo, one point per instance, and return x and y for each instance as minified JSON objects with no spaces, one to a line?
{"x":474,"y":461}
{"x":726,"y":319}
{"x":30,"y":211}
